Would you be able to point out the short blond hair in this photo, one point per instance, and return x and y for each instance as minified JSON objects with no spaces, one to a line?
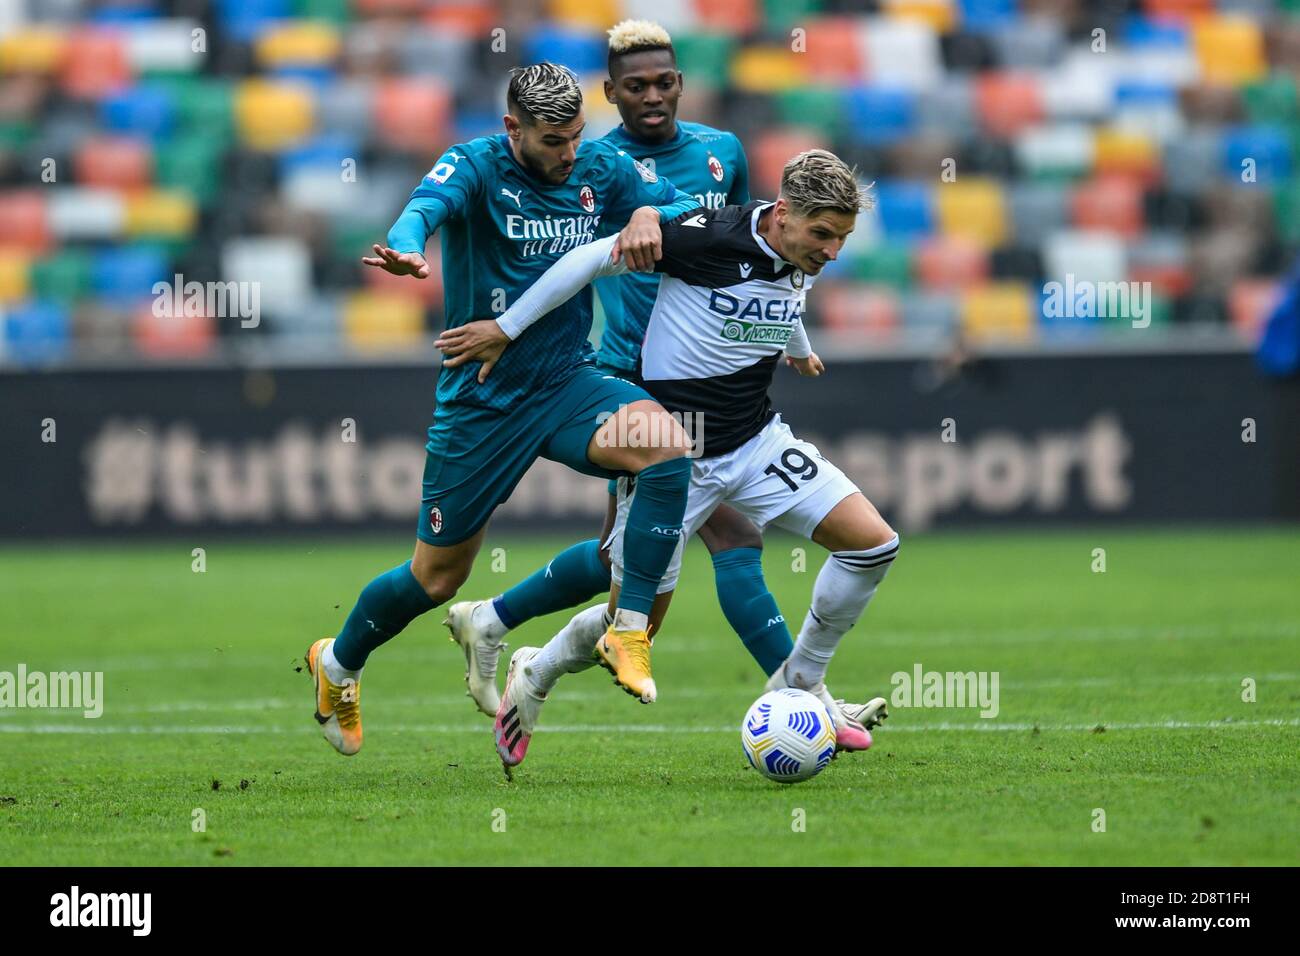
{"x":631,"y":36}
{"x":818,"y":179}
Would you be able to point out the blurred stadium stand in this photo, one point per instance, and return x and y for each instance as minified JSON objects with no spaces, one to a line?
{"x":274,"y":140}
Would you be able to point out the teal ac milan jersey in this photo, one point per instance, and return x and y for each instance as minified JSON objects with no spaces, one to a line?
{"x":501,"y":229}
{"x":708,"y":163}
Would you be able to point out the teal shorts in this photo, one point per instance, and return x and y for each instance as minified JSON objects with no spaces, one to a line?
{"x":476,"y":456}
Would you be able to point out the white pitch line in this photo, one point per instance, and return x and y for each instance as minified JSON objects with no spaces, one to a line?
{"x":89,"y":728}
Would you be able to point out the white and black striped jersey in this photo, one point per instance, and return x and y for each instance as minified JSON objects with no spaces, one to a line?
{"x":727,"y":308}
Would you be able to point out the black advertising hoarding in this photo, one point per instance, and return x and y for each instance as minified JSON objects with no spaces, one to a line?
{"x":1015,"y":440}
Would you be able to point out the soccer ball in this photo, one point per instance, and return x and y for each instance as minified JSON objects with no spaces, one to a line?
{"x":788,"y":735}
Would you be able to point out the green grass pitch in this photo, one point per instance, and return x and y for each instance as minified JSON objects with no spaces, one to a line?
{"x":1120,"y":692}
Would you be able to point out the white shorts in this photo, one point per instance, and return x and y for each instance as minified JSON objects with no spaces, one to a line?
{"x":774,"y":478}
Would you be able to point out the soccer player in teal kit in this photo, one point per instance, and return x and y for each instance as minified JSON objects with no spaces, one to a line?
{"x":645,"y":84}
{"x":508,"y":206}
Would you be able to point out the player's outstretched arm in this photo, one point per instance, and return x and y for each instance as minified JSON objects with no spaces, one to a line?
{"x":398,"y":263}
{"x":799,"y":354}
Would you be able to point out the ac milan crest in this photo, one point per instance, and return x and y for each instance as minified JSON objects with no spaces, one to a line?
{"x":587,"y":196}
{"x":715,"y":167}
{"x":435,"y":519}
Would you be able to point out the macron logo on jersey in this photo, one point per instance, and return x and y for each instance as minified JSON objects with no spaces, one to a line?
{"x":696,"y":221}
{"x":745,"y":270}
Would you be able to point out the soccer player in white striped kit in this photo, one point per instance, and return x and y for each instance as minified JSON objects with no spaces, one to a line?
{"x":729,"y":303}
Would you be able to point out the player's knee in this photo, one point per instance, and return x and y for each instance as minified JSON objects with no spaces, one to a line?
{"x":441,"y":584}
{"x":728,"y":533}
{"x":874,"y":537}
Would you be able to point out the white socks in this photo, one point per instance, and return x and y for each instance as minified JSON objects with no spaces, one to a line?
{"x":335,"y":671}
{"x":844,"y":586}
{"x":569,"y":651}
{"x":484,"y":617}
{"x":631,"y":620}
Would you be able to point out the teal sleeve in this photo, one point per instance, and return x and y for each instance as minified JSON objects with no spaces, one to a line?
{"x":739,"y":194}
{"x":445,"y":192}
{"x":639,"y":186}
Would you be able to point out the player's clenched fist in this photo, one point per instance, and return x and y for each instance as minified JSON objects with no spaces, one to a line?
{"x":482,"y":340}
{"x":641,"y":241}
{"x":398,"y":263}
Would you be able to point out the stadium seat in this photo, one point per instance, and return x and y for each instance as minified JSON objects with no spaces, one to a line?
{"x":36,"y":332}
{"x":858,"y":308}
{"x":1029,"y":44}
{"x":816,"y":107}
{"x":87,"y":213}
{"x":1230,"y":49}
{"x":271,"y":115}
{"x":160,"y":214}
{"x":1109,"y":204}
{"x":579,"y":50}
{"x":773,"y":149}
{"x":15,"y":275}
{"x":280,"y":265}
{"x":983,"y":15}
{"x":24,"y":222}
{"x":205,"y":105}
{"x":1056,"y":151}
{"x":905,"y":209}
{"x":833,"y":52}
{"x":163,"y":47}
{"x":171,"y":336}
{"x":192,"y":163}
{"x":1286,"y":210}
{"x":413,"y":114}
{"x":1194,"y":161}
{"x":1272,"y":99}
{"x":1037,"y":209}
{"x":704,"y":57}
{"x":1250,"y":303}
{"x":1008,"y":102}
{"x":382,"y":320}
{"x":346,"y":108}
{"x":737,"y":17}
{"x":768,"y":69}
{"x":145,"y":110}
{"x":64,"y":277}
{"x":245,"y":20}
{"x":32,"y":49}
{"x":94,"y":63}
{"x":973,"y":208}
{"x":901,"y":53}
{"x":1094,"y":256}
{"x":124,"y":274}
{"x":1162,"y":260}
{"x":877,"y":115}
{"x":1264,"y":151}
{"x":938,"y":15}
{"x":1126,"y":153}
{"x":592,"y":15}
{"x":297,"y":43}
{"x":1018,"y":263}
{"x":950,"y":262}
{"x":113,"y":162}
{"x":923,"y":309}
{"x":887,"y":263}
{"x":997,"y":311}
{"x":948,"y":109}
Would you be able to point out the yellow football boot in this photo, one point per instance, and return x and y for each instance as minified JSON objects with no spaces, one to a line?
{"x":338,"y":706}
{"x":626,"y":655}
